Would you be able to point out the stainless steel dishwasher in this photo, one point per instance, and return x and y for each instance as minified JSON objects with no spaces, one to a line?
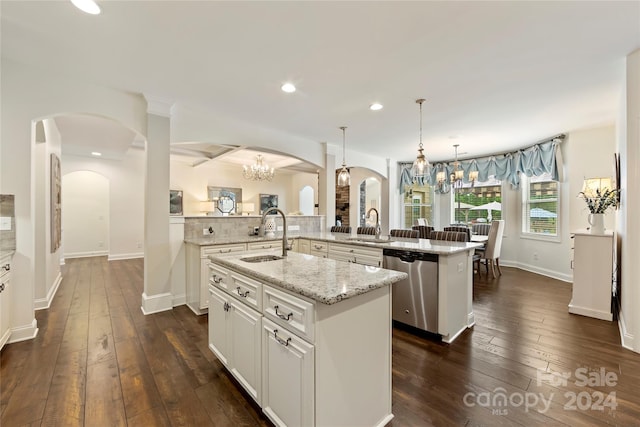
{"x":414,"y":299}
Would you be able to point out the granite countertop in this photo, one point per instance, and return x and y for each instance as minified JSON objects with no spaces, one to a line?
{"x":385,"y":242}
{"x":321,"y":279}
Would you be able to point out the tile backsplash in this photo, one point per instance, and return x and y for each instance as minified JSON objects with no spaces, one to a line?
{"x":229,"y":227}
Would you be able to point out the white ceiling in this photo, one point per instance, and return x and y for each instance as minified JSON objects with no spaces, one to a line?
{"x":496,"y":75}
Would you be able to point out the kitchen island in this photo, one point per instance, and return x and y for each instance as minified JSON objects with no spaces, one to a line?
{"x":308,"y":338}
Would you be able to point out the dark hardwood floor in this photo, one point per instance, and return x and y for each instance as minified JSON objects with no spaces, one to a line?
{"x":98,"y":361}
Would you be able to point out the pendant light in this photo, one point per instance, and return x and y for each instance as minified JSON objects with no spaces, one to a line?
{"x":421,"y":164}
{"x":344,"y":179}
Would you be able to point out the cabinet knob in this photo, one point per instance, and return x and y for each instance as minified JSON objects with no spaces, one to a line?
{"x":6,"y":267}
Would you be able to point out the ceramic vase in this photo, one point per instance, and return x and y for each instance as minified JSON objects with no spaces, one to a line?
{"x":597,"y":223}
{"x":270,"y":227}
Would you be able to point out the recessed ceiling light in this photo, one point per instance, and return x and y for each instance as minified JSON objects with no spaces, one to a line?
{"x":288,"y":87}
{"x":96,"y":153}
{"x":375,"y":106}
{"x":87,"y":6}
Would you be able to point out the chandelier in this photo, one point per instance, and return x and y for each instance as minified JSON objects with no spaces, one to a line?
{"x":455,"y":178}
{"x":421,"y":164}
{"x":259,"y":171}
{"x":344,"y":179}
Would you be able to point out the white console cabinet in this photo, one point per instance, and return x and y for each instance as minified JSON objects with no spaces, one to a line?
{"x":5,"y":300}
{"x":592,"y":275}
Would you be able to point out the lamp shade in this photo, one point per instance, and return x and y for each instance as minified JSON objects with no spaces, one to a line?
{"x":248,"y":208}
{"x":207,"y":206}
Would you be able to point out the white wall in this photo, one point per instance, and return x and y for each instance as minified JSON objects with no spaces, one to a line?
{"x":85,"y":214}
{"x":193,"y":181}
{"x":629,"y":228}
{"x":47,"y":273}
{"x":126,"y":202}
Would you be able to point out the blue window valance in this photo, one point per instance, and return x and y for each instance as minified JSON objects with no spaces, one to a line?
{"x":544,"y":157}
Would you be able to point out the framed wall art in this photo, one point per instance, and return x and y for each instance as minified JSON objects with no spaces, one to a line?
{"x":175,"y":202}
{"x":268,"y":201}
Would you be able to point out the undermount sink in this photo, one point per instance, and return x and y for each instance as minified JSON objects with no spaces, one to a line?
{"x":261,"y":258}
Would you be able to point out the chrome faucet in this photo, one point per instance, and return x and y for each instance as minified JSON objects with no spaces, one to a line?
{"x":377,"y":220}
{"x":284,"y":227}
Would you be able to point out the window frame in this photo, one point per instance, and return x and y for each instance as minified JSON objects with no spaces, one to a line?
{"x":525,"y":182}
{"x":492,"y":181}
{"x":430,"y":206}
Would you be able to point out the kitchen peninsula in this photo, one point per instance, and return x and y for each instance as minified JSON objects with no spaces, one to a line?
{"x":309,"y":338}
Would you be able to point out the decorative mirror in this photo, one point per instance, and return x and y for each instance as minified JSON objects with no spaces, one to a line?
{"x":226,"y":199}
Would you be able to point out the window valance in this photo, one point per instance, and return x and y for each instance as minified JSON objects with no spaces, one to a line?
{"x":544,"y":157}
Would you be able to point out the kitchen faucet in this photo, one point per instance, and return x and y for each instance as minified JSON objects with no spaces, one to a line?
{"x":284,"y":227}
{"x":377,"y":220}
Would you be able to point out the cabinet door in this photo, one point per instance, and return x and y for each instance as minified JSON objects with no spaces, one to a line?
{"x":246,"y":348}
{"x":287,"y":377}
{"x":5,"y":309}
{"x":219,"y":325}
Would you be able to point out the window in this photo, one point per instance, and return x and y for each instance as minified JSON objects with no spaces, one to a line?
{"x":540,"y":204}
{"x":478,"y":204}
{"x":417,"y":203}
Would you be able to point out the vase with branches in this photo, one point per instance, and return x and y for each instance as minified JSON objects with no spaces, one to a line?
{"x":601,"y":201}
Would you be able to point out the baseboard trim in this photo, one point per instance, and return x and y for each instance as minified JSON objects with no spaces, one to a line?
{"x":626,"y":339}
{"x":584,"y":311}
{"x":44,"y":303}
{"x":23,"y":333}
{"x":542,"y":271}
{"x":179,"y":300}
{"x":118,"y":257}
{"x":156,"y":303}
{"x":85,"y":254}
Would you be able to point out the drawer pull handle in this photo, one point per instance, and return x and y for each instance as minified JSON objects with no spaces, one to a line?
{"x":226,"y":306}
{"x":224,"y":251}
{"x":6,"y":267}
{"x":242,"y":294}
{"x":216,"y":279}
{"x":280,"y":340}
{"x":282,"y":316}
{"x":2,"y":287}
{"x":317,"y":246}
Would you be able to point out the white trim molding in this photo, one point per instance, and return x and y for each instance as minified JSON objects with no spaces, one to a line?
{"x":118,"y":257}
{"x":626,"y":338}
{"x":24,"y":333}
{"x":43,"y":303}
{"x":85,"y":254}
{"x":534,"y":269}
{"x":156,"y":303}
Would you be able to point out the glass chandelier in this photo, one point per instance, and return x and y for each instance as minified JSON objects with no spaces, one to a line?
{"x":344,"y":179}
{"x":421,"y":164}
{"x":259,"y":171}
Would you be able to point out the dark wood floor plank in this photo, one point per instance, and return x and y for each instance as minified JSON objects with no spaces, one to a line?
{"x":65,"y":403}
{"x":98,"y":360}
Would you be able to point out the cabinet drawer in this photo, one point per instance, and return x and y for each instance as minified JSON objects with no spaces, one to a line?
{"x":246,"y":290}
{"x":304,"y":246}
{"x":293,"y":313}
{"x":264,"y":245}
{"x":205,"y":251}
{"x":220,"y":277}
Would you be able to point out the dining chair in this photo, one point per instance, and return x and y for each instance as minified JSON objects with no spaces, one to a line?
{"x":423,"y":230}
{"x":340,"y":229}
{"x":410,"y":234}
{"x":482,"y":229}
{"x":449,"y":236}
{"x":491,"y":251}
{"x":460,"y":228}
{"x":366,"y":230}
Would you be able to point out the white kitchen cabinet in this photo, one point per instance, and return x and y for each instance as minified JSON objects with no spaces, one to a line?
{"x":302,"y":246}
{"x":316,"y":360}
{"x":271,"y":244}
{"x":318,"y":248}
{"x":198,"y":272}
{"x":356,"y":254}
{"x":235,"y":339}
{"x":592,"y":275}
{"x":5,"y":300}
{"x":287,"y":377}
